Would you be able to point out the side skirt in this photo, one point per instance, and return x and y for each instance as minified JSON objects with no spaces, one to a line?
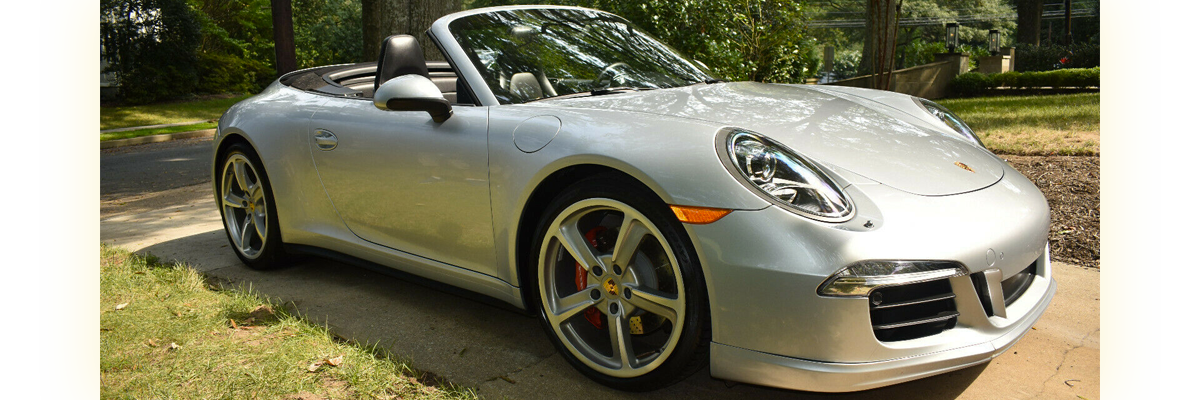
{"x":306,"y":250}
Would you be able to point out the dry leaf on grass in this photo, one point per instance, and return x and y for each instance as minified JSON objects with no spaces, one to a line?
{"x":122,"y":306}
{"x":333,"y":362}
{"x":262,"y":313}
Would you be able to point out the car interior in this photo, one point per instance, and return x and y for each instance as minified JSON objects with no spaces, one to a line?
{"x":399,"y":55}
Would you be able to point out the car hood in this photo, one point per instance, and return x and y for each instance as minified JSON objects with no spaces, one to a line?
{"x":863,"y":136}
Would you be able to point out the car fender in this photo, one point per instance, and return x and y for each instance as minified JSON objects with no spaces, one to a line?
{"x":691,"y":173}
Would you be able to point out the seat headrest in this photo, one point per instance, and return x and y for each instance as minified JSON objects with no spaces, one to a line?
{"x":400,"y":55}
{"x":525,"y":86}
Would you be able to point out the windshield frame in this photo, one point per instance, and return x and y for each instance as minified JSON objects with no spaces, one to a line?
{"x":469,"y":71}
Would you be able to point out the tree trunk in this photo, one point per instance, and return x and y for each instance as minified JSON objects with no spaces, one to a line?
{"x":1068,"y":21}
{"x":865,"y":64}
{"x":383,"y":18}
{"x":1029,"y":22}
{"x":285,"y":38}
{"x":879,"y":46}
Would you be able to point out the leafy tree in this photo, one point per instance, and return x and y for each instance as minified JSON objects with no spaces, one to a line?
{"x":151,"y":45}
{"x":922,"y":28}
{"x":237,"y":53}
{"x":971,"y":33}
{"x":762,"y":40}
{"x":163,"y":49}
{"x":328,"y":32}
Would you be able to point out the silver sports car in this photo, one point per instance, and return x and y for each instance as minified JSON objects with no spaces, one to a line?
{"x":656,"y":219}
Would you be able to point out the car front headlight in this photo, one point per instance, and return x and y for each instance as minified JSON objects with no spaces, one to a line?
{"x":953,"y":121}
{"x":786,"y":178}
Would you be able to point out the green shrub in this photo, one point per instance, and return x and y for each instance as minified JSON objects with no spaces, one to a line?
{"x":226,"y":73}
{"x":917,"y":52}
{"x":1010,"y":78}
{"x":845,"y":64}
{"x":973,"y":84}
{"x":1050,"y":57}
{"x":970,"y":84}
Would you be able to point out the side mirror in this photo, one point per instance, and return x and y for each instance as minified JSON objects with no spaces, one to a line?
{"x":413,"y":93}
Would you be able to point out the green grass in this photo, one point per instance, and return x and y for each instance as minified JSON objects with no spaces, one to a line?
{"x":166,"y":113}
{"x":156,"y":131}
{"x":173,"y":337}
{"x":1067,"y":124}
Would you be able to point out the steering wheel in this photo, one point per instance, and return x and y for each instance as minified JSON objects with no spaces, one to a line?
{"x":604,"y":71}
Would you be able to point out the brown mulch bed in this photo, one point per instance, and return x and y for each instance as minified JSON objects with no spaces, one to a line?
{"x":1072,"y":188}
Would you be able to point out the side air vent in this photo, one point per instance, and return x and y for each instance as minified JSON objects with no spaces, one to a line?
{"x":913,"y":311}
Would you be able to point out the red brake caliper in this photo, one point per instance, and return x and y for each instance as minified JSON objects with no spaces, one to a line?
{"x":581,"y":275}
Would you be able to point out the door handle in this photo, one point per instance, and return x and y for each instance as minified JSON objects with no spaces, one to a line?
{"x":326,"y":140}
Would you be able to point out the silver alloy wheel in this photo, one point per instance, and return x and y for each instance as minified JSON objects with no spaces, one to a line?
{"x":244,"y":205}
{"x":618,"y":293}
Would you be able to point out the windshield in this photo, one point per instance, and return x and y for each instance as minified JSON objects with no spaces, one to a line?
{"x":526,"y":55}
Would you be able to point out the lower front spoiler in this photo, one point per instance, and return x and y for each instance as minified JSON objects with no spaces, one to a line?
{"x":749,"y":366}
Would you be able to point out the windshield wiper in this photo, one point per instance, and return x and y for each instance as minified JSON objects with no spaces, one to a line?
{"x":595,"y":92}
{"x":611,"y":90}
{"x":708,"y":81}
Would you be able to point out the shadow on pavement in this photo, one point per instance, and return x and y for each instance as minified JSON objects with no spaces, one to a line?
{"x":501,"y":352}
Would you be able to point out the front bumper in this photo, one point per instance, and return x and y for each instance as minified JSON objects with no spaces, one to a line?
{"x":770,"y":326}
{"x":765,"y":369}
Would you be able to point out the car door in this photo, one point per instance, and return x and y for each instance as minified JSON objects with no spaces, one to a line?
{"x":400,"y":180}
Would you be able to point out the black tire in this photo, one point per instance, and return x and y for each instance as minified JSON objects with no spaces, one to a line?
{"x":690,"y":353}
{"x":270,"y":254}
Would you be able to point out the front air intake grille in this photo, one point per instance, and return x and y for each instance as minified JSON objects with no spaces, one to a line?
{"x":1012,"y":288}
{"x":981,"y":288}
{"x":912,"y":311}
{"x":1016,"y":285}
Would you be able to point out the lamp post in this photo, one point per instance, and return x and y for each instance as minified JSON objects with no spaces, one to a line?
{"x":994,"y":41}
{"x":951,"y":37}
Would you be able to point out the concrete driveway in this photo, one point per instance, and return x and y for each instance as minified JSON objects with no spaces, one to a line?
{"x":504,"y":354}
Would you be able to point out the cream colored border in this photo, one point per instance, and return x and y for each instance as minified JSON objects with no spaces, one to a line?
{"x":1131,"y":175}
{"x":69,"y":290}
{"x":69,"y":191}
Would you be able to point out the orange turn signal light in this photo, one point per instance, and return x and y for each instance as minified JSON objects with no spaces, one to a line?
{"x":699,"y":215}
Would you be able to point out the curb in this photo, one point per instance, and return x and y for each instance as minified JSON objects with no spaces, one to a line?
{"x":108,"y":144}
{"x":134,"y":128}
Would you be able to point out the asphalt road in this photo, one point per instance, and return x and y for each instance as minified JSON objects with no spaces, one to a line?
{"x":155,"y":167}
{"x":147,"y":205}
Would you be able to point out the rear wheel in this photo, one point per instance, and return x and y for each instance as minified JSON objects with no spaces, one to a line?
{"x":248,"y":209}
{"x":620,"y":289}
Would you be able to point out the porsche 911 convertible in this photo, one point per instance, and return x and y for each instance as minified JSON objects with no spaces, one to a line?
{"x":656,"y":218}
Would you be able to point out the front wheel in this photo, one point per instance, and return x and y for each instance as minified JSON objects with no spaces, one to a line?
{"x":621,"y":292}
{"x":248,"y":209}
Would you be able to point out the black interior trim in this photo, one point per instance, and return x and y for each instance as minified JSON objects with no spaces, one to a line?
{"x":462,"y":83}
